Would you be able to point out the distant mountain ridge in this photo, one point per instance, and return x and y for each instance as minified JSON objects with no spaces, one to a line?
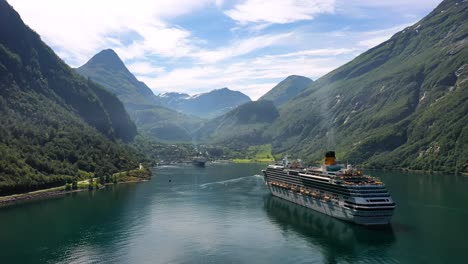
{"x":205,"y":105}
{"x":287,"y":89}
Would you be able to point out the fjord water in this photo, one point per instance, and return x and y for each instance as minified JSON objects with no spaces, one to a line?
{"x":224,"y":214}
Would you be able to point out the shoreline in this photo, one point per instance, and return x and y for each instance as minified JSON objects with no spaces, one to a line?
{"x":419,"y":171}
{"x":53,"y":192}
{"x":36,"y":195}
{"x":241,"y":161}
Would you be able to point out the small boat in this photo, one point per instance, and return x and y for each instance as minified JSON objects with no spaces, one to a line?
{"x":199,"y":161}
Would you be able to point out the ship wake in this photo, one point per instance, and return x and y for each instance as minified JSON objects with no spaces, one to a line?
{"x":232,"y":181}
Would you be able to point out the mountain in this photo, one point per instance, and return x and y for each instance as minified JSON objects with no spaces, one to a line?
{"x":107,"y":68}
{"x":55,"y":126}
{"x":166,"y":125}
{"x":152,"y":119}
{"x":204,"y":105}
{"x":172,"y":98}
{"x":401,"y":104}
{"x":240,"y":127}
{"x":287,"y":89}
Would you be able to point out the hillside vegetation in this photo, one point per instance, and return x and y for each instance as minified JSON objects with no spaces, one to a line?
{"x":241,"y":127}
{"x":400,"y":104}
{"x":287,"y":89}
{"x":55,"y":126}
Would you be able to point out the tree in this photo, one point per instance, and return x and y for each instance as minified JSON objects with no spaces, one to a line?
{"x":91,"y":183}
{"x":74,"y":185}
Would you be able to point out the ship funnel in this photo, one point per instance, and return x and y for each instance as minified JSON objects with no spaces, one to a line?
{"x":330,"y":158}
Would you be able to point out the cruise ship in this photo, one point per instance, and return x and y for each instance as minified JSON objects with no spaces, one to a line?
{"x":334,"y":189}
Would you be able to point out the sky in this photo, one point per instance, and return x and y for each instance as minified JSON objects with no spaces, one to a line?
{"x":195,"y":46}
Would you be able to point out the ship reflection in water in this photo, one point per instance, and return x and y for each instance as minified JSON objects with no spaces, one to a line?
{"x":339,"y":240}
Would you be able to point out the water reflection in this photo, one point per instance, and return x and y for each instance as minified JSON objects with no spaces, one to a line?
{"x":339,"y":240}
{"x":221,"y":214}
{"x":78,"y":227}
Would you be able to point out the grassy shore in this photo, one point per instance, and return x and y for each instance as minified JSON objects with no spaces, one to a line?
{"x":257,"y":154}
{"x":136,"y":175}
{"x":253,"y":160}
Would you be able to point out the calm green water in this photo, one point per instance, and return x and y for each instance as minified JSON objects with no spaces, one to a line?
{"x":224,"y":214}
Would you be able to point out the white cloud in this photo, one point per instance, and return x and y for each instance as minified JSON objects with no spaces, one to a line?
{"x":242,"y":47}
{"x":368,"y":8}
{"x":372,"y":42}
{"x":279,"y":11}
{"x":373,"y":38}
{"x":319,"y":52}
{"x":172,"y":58}
{"x":219,"y":3}
{"x":162,"y":40}
{"x":80,"y":28}
{"x":256,"y":75}
{"x":243,"y":76}
{"x":399,"y":4}
{"x":145,"y":68}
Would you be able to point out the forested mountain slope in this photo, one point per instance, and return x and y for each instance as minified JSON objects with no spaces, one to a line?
{"x":287,"y":89}
{"x":54,"y":125}
{"x":240,"y":127}
{"x":400,"y":104}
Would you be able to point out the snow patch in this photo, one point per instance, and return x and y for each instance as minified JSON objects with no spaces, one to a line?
{"x":194,"y":96}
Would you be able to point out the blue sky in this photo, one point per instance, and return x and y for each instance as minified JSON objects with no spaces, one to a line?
{"x":194,"y":46}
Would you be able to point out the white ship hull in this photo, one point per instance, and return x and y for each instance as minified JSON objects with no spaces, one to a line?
{"x":331,"y":208}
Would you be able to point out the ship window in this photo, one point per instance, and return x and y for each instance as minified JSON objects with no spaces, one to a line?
{"x":378,"y":200}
